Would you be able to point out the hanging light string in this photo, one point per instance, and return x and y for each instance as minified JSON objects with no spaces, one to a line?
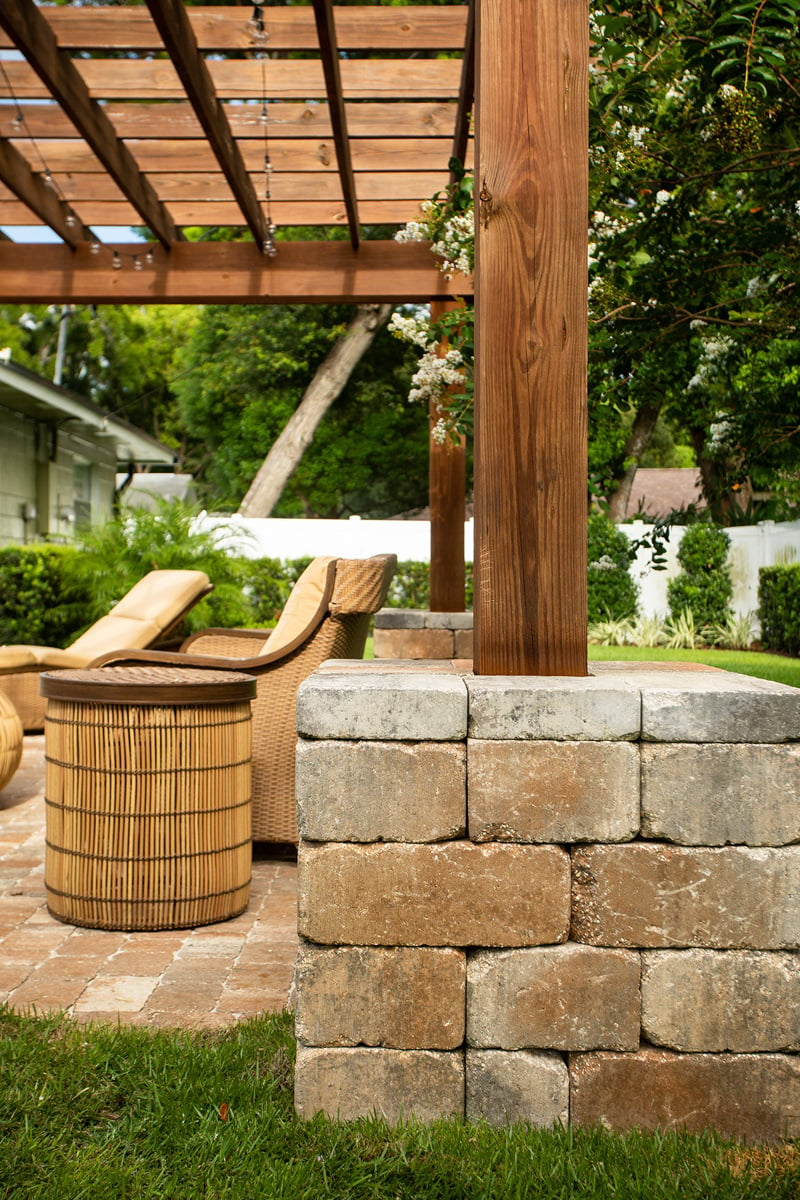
{"x":19,"y":126}
{"x":260,"y":36}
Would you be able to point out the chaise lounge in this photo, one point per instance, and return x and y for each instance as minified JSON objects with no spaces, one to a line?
{"x":151,"y":610}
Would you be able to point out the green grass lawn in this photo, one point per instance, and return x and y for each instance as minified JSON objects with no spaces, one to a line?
{"x":746,"y":662}
{"x":119,"y":1113}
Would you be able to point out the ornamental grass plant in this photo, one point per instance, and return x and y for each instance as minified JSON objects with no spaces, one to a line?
{"x":125,"y":1113}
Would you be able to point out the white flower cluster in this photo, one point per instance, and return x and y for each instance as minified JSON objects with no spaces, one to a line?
{"x":452,"y":239}
{"x":456,"y":244}
{"x":415,"y":329}
{"x":719,"y":432}
{"x":435,"y":374}
{"x":711,"y":356}
{"x":604,"y":563}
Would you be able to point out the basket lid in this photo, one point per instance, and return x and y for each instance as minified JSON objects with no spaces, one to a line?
{"x":148,"y":685}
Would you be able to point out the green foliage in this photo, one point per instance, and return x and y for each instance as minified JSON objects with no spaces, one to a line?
{"x":115,"y":555}
{"x":779,"y":607}
{"x":704,"y":587}
{"x":38,"y":604}
{"x":242,"y":374}
{"x":695,"y":238}
{"x":612,"y":591}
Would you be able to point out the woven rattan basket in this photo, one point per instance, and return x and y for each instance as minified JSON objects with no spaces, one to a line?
{"x":148,"y":778}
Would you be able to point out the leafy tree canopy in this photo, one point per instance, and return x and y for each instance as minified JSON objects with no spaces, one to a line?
{"x":695,"y":233}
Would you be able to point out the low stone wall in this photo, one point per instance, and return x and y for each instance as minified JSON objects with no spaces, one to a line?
{"x":550,"y":899}
{"x":415,"y":633}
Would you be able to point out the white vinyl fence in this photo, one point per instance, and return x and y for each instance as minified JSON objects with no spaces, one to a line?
{"x":752,"y":546}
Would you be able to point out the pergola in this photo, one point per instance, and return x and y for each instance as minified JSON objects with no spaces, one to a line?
{"x":154,"y":115}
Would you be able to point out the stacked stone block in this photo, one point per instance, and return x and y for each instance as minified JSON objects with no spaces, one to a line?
{"x":550,"y":899}
{"x":403,"y":633}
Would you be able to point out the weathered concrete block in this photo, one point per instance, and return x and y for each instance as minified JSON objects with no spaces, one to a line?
{"x":714,"y":795}
{"x":721,"y":1000}
{"x":449,"y":620}
{"x":720,"y":707}
{"x":448,"y":894}
{"x":400,"y":618}
{"x":524,"y":1086}
{"x":404,"y":998}
{"x":750,"y":1096}
{"x":653,"y":895}
{"x":567,"y":997}
{"x":413,"y":643}
{"x":553,"y":708}
{"x":553,"y":791}
{"x":394,"y":1084}
{"x":415,"y":706}
{"x":381,"y":791}
{"x":465,"y":644}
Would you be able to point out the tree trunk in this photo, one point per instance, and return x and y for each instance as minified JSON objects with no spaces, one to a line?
{"x":638,"y":441}
{"x":331,"y":376}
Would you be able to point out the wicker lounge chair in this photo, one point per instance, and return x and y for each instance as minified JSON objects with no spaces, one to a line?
{"x":326,"y":616}
{"x":151,"y":610}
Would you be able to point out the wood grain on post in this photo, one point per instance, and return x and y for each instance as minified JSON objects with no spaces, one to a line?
{"x":447,"y":488}
{"x":531,"y":300}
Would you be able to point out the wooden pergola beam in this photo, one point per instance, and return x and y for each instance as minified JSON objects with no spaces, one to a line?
{"x":366,"y":27}
{"x":37,"y":196}
{"x":226,"y":273}
{"x":31,"y":34}
{"x":176,"y":32}
{"x":466,"y":91}
{"x":531,"y":338}
{"x":329,"y":55}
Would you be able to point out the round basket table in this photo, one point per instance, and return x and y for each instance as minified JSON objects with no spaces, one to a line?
{"x":148,"y":796}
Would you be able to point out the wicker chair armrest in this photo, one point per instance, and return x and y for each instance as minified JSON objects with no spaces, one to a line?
{"x":252,"y":665}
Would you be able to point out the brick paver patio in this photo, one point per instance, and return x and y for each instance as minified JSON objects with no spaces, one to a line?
{"x":203,"y":978}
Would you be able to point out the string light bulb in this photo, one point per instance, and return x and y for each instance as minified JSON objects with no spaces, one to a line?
{"x":116,"y":262}
{"x":94,"y":247}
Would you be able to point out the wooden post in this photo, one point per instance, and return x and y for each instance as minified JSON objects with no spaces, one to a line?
{"x":531,"y":337}
{"x":447,"y":488}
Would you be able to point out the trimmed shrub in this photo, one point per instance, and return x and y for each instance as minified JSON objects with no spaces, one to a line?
{"x":612,"y":591}
{"x":779,"y":608}
{"x":704,"y":587}
{"x":40,"y":604}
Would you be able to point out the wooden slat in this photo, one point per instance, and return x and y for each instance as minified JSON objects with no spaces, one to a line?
{"x":98,"y":213}
{"x":23,"y":22}
{"x":36,"y":195}
{"x":156,"y":79}
{"x":405,"y":186}
{"x":176,"y":32}
{"x":175,"y":119}
{"x":329,"y":55}
{"x":530,"y":416}
{"x":226,"y":273}
{"x":186,"y":157}
{"x":225,"y":28}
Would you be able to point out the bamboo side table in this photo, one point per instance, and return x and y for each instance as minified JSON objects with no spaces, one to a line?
{"x":148,"y":796}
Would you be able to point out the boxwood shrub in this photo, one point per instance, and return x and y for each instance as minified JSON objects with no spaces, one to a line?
{"x":612,"y":590}
{"x":779,"y":608}
{"x":704,"y":586}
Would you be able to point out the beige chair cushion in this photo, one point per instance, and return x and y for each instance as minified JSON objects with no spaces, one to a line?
{"x":115,"y":632}
{"x":304,"y":601}
{"x":161,"y":597}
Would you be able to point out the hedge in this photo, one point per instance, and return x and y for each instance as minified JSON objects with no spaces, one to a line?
{"x":705,"y":585}
{"x":37,"y":605}
{"x":779,"y":608}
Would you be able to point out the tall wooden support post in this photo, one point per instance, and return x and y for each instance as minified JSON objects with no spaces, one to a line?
{"x":447,"y":488}
{"x":530,"y":438}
